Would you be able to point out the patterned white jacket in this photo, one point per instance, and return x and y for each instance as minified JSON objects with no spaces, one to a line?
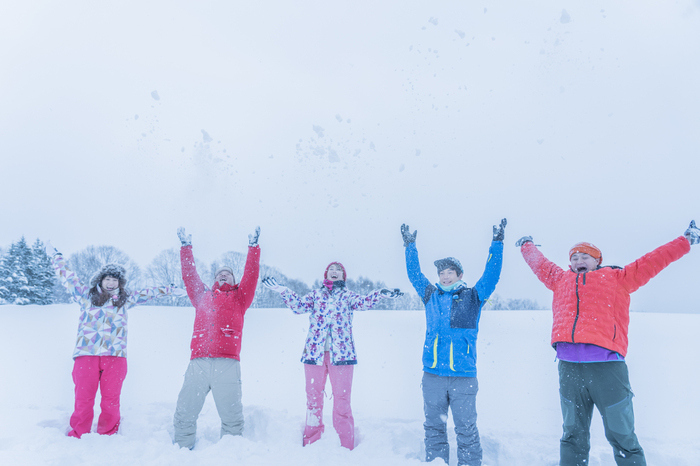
{"x":101,"y":330}
{"x":331,"y":313}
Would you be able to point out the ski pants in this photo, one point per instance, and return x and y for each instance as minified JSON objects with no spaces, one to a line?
{"x":89,"y":373}
{"x":606,"y":386}
{"x":341,"y":384}
{"x":459,"y":394}
{"x":221,"y":376}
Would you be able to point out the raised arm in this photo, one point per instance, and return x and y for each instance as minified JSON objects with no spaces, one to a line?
{"x":70,"y":281}
{"x":291,"y":299}
{"x":251,"y":271}
{"x":193,"y":284}
{"x":545,"y":270}
{"x":492,"y":273}
{"x":419,"y":281}
{"x":147,"y":294}
{"x":639,"y":272}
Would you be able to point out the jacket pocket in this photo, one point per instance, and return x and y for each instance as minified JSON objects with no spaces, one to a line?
{"x":462,"y":357}
{"x":430,"y":351}
{"x":620,"y":416}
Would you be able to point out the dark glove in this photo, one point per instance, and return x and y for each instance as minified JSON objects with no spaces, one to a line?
{"x":253,"y":239}
{"x":499,"y":232}
{"x":408,"y":238}
{"x":271,"y":283}
{"x":395,"y":293}
{"x":185,"y":239}
{"x":693,"y":233}
{"x":523,"y":240}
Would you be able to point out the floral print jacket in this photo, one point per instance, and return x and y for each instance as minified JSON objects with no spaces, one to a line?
{"x":331,"y":314}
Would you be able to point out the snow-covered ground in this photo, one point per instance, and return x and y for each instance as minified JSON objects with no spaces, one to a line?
{"x":518,"y":405}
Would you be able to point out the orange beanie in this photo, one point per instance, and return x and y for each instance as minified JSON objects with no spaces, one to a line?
{"x":587,"y":248}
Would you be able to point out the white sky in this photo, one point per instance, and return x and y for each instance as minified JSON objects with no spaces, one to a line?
{"x":331,"y":123}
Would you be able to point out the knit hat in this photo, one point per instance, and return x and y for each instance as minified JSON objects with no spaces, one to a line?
{"x":226,"y":268}
{"x":449,"y":263}
{"x":587,"y":248}
{"x":345,"y":274}
{"x":110,"y":270}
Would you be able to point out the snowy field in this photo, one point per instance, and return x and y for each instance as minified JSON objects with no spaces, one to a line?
{"x":518,"y":405}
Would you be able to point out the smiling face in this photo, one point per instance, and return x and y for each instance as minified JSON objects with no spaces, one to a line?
{"x":449,"y":277}
{"x":582,"y":262}
{"x":225,"y":277}
{"x":335,"y":273}
{"x":109,"y":283}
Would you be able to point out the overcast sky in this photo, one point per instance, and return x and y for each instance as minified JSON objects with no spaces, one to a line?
{"x":330,"y":124}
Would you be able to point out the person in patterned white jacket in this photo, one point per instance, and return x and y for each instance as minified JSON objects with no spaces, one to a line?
{"x":100,"y":349}
{"x":330,"y":349}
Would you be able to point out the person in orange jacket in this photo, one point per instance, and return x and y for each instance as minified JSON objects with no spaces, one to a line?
{"x":216,"y":342}
{"x":589,"y":333}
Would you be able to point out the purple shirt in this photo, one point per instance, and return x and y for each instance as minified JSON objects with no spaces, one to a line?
{"x":585,"y":352}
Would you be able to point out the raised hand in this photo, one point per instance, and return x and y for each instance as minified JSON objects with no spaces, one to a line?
{"x":178,"y":292}
{"x":185,"y":239}
{"x":408,"y":238}
{"x":271,"y":283}
{"x":395,"y":293}
{"x":499,"y":232}
{"x":253,"y":239}
{"x":693,"y":233}
{"x":523,"y":240}
{"x":50,"y":250}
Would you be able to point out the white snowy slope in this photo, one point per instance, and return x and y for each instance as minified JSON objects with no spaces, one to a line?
{"x":518,"y":405}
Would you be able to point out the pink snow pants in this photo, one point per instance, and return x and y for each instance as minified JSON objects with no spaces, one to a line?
{"x":89,"y":372}
{"x":341,"y":384}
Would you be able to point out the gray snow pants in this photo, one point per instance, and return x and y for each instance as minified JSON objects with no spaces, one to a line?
{"x":458,"y":393}
{"x":605,"y":385}
{"x":223,"y":377}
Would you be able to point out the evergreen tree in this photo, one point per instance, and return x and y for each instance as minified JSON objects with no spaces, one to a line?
{"x":15,"y":284}
{"x":42,"y":278}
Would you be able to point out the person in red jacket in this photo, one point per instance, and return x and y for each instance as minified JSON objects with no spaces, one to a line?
{"x":589,"y":333}
{"x":216,"y":342}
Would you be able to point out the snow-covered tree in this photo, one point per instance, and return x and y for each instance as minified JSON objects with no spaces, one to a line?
{"x":90,"y":260}
{"x":15,"y":275}
{"x":42,"y":278}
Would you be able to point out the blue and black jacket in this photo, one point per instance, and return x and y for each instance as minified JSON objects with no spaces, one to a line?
{"x":452,"y":317}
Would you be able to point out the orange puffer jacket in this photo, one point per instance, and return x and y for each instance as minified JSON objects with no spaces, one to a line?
{"x":593,"y":307}
{"x":218,"y":322}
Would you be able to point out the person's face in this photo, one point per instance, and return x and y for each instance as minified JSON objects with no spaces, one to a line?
{"x":335,"y":273}
{"x":582,"y":262}
{"x":225,"y":277}
{"x":449,"y":277}
{"x":109,"y":283}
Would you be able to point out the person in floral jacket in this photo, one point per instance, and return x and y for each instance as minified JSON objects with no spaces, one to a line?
{"x":329,"y":350}
{"x":100,"y":349}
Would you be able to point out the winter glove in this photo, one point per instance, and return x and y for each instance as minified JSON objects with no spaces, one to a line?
{"x":185,"y":239}
{"x":177,"y":291}
{"x":499,"y":232}
{"x":271,"y":283}
{"x":50,"y":250}
{"x":253,"y":239}
{"x":523,"y":240}
{"x":693,"y":233}
{"x":408,"y":238}
{"x":387,"y":293}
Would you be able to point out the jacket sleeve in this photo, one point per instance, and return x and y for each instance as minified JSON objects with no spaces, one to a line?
{"x":296,"y":304}
{"x":547,"y":271}
{"x":487,"y":283}
{"x":358,"y":302}
{"x":639,"y":272}
{"x":147,"y":294}
{"x":193,"y":284}
{"x":419,"y":281}
{"x":249,"y":281}
{"x":69,"y":279}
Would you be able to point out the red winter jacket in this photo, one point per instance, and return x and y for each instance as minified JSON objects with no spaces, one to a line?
{"x":593,"y":307}
{"x":218,"y":323}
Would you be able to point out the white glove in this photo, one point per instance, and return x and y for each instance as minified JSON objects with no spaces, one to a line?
{"x":253,"y":239}
{"x":693,"y":233}
{"x":50,"y":250}
{"x":271,"y":283}
{"x":178,"y":292}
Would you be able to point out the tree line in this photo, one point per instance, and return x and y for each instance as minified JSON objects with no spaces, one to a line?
{"x":27,"y":276}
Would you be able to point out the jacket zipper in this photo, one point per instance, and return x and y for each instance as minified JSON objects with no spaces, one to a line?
{"x":578,"y":306}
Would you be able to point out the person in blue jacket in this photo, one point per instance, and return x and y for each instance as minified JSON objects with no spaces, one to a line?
{"x":452,"y":312}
